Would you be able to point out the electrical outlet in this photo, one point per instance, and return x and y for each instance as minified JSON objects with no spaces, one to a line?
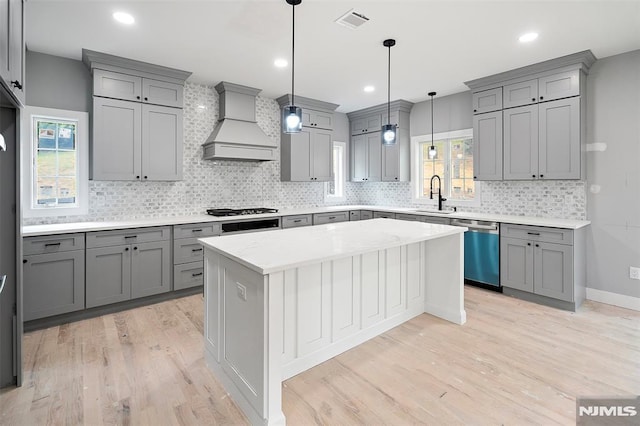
{"x":634,"y":273}
{"x":242,"y":291}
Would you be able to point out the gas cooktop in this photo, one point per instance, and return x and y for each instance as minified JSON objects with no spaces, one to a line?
{"x":239,"y":212}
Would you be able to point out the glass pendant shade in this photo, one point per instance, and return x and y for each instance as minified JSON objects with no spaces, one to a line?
{"x":389,"y":134}
{"x":291,"y":119}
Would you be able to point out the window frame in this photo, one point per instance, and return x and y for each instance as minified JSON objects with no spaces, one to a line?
{"x":417,"y":170}
{"x":29,"y":150}
{"x":328,"y":197}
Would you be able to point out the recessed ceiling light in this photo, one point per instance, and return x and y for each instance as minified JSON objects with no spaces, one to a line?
{"x":369,"y":89}
{"x":526,"y":38}
{"x":124,"y":18}
{"x":280,"y":63}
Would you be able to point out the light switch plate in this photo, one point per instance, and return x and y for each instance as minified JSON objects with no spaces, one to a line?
{"x":242,"y":291}
{"x":634,"y":273}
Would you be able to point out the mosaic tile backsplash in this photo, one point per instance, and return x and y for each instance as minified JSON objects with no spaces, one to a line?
{"x":236,"y":184}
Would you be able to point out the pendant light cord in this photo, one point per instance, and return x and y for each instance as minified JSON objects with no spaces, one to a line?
{"x":293,"y":52}
{"x":389,"y":88}
{"x":431,"y":121}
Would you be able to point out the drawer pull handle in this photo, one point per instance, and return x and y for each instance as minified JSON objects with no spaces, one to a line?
{"x":196,"y":230}
{"x":195,"y":250}
{"x":331,"y":217}
{"x":297,"y":221}
{"x":533,"y":233}
{"x":197,"y":274}
{"x":51,"y":244}
{"x":130,"y":236}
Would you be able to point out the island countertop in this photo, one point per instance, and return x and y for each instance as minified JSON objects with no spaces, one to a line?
{"x":273,"y":251}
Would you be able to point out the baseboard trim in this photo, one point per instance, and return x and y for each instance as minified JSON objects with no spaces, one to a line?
{"x":621,"y":300}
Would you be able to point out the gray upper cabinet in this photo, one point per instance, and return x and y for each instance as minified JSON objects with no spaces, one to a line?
{"x":137,"y":119}
{"x":307,"y":156}
{"x":487,"y":100}
{"x":366,"y":158}
{"x":12,"y":47}
{"x":369,"y":124}
{"x":390,"y":163}
{"x":544,"y":126}
{"x":487,"y":146}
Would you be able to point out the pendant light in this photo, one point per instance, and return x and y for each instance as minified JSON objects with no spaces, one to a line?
{"x":292,"y":114}
{"x":389,"y":132}
{"x":432,"y":148}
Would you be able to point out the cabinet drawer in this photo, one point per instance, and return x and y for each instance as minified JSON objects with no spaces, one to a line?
{"x":518,"y":94}
{"x":53,"y":243}
{"x":354,"y":215}
{"x":129,"y":236}
{"x":487,"y":100}
{"x":438,"y":220}
{"x":162,"y":93}
{"x":385,"y":215}
{"x":188,"y":275}
{"x":557,"y":86}
{"x":537,"y":233}
{"x":116,"y":85}
{"x":295,"y":221}
{"x":187,"y":250}
{"x":410,"y":217}
{"x":366,"y":214}
{"x":322,"y":218}
{"x":198,"y":230}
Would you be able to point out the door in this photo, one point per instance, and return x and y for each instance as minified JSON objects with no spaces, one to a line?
{"x":562,"y":85}
{"x":554,"y":271}
{"x":516,"y":264}
{"x":53,"y":284}
{"x":374,"y":152}
{"x":108,"y":275}
{"x":150,"y":269}
{"x":117,"y":85}
{"x":521,"y":143}
{"x":162,"y":93}
{"x":322,"y":153}
{"x":487,"y":146}
{"x":300,"y":148}
{"x":390,"y":162}
{"x":162,"y":142}
{"x":117,"y":140}
{"x":487,"y":100}
{"x":359,"y":160}
{"x":559,"y":139}
{"x":16,"y":48}
{"x":519,"y":94}
{"x":5,"y":36}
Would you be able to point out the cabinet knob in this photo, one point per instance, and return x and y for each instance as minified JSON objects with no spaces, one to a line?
{"x":537,"y":245}
{"x":126,"y":249}
{"x":475,"y":177}
{"x":533,"y":99}
{"x":137,"y":97}
{"x":146,"y":99}
{"x":135,"y":248}
{"x":541,"y":175}
{"x":475,"y":110}
{"x":16,"y":84}
{"x":529,"y":244}
{"x":396,"y":178}
{"x":137,"y":177}
{"x":146,"y":177}
{"x":541,"y":97}
{"x":533,"y":175}
{"x":24,"y":260}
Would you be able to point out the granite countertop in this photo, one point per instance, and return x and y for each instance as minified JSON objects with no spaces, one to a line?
{"x":64,"y":228}
{"x":312,"y":244}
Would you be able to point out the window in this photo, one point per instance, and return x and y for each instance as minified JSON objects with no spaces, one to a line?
{"x":334,"y":189}
{"x":453,"y":163}
{"x":55,"y":162}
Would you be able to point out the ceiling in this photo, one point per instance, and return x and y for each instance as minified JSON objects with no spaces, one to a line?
{"x":440,"y":44}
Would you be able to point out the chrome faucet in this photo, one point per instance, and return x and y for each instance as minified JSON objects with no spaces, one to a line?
{"x":440,"y":199}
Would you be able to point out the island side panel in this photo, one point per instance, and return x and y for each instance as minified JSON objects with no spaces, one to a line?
{"x":444,"y":278}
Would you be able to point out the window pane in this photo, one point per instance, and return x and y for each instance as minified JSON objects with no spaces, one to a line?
{"x":46,"y":163}
{"x":67,"y":163}
{"x":46,"y":190}
{"x":67,"y":191}
{"x":66,"y":136}
{"x":462,"y":184}
{"x":46,"y":134}
{"x":433,"y":167}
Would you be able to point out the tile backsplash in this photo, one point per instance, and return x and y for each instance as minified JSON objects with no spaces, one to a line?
{"x":257,"y":184}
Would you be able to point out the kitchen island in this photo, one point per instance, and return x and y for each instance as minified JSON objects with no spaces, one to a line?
{"x":280,"y":302}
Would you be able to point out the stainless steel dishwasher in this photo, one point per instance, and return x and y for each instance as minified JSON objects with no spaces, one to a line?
{"x":481,"y":253}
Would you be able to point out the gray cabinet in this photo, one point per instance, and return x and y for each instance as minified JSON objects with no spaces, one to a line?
{"x":385,"y":215}
{"x":366,"y":158}
{"x":307,"y":156}
{"x":366,"y":214}
{"x":546,"y":88}
{"x":122,"y":265}
{"x":391,"y":162}
{"x":354,"y":215}
{"x":369,"y":124}
{"x":317,"y":119}
{"x":487,"y":100}
{"x":297,"y":221}
{"x":519,"y":94}
{"x":162,"y":142}
{"x":53,"y":275}
{"x":134,"y":88}
{"x":12,"y":47}
{"x":333,"y":217}
{"x":521,"y":143}
{"x":188,"y":253}
{"x":410,"y":217}
{"x":487,"y":146}
{"x":437,"y":219}
{"x":540,"y":261}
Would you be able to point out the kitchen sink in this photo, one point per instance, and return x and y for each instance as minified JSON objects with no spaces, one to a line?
{"x":448,"y":211}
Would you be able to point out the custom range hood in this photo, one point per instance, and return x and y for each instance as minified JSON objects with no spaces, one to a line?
{"x":237,"y":135}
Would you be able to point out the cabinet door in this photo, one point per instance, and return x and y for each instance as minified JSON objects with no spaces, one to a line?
{"x":519,"y":94}
{"x":116,"y":85}
{"x":516,"y":264}
{"x":108,"y":275}
{"x":162,"y":142}
{"x":559,"y":139}
{"x":561,"y":85}
{"x":150,"y":269}
{"x":188,"y":275}
{"x":487,"y":146}
{"x":521,"y":143}
{"x":162,"y":93}
{"x":5,"y":36}
{"x":374,"y":153}
{"x":391,"y":162}
{"x":359,"y":158}
{"x":300,"y":156}
{"x":487,"y":100}
{"x":322,"y":155}
{"x":17,"y":48}
{"x":53,"y":284}
{"x":317,"y":119}
{"x":366,"y":214}
{"x":554,"y":271}
{"x":116,"y":145}
{"x":368,"y":124}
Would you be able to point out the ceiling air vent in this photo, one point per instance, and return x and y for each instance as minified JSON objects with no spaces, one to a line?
{"x":352,"y":19}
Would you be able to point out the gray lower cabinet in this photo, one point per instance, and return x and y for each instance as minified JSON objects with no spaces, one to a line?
{"x":296,"y":221}
{"x":385,"y":215}
{"x":354,"y":215}
{"x":333,"y":217}
{"x":437,"y":219}
{"x":539,"y":261}
{"x":366,"y":214}
{"x":487,"y":146}
{"x":188,"y":253}
{"x":410,"y":217}
{"x":117,"y":272}
{"x":53,"y":280}
{"x":188,"y":275}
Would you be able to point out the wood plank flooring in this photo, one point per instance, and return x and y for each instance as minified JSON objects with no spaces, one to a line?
{"x":513,"y":362}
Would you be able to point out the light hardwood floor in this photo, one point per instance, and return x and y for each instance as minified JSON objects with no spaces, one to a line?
{"x":513,"y":363}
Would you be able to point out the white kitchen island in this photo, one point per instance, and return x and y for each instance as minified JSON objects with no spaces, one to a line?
{"x":280,"y":302}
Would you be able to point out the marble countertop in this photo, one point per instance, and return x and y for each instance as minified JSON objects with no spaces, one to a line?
{"x":274,"y":251}
{"x":64,"y":228}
